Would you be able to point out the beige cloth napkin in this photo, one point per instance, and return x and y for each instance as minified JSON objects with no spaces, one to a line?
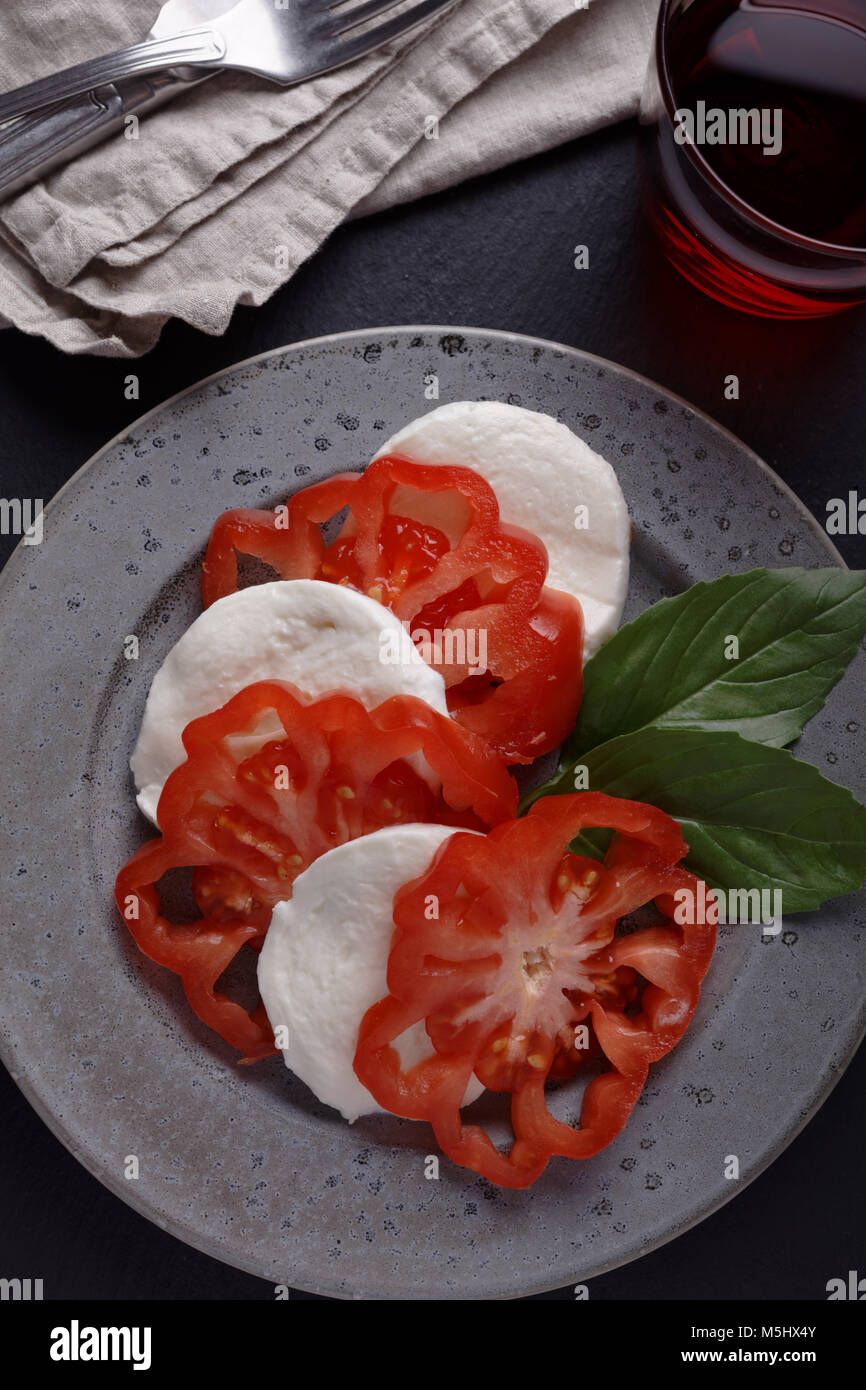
{"x":232,"y":187}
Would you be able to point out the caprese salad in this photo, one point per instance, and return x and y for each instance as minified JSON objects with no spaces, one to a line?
{"x":329,"y":753}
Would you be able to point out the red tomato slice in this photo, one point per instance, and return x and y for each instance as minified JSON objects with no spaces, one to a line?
{"x":273,"y":780}
{"x":523,"y":952}
{"x":427,"y":542}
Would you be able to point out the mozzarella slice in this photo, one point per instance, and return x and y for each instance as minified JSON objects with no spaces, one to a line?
{"x":321,"y":637}
{"x":325,"y":957}
{"x":541,"y":474}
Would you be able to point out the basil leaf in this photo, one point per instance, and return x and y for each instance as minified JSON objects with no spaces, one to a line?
{"x":796,"y":629}
{"x":753,"y":816}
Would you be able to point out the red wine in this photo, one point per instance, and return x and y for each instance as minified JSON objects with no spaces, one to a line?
{"x":802,"y":68}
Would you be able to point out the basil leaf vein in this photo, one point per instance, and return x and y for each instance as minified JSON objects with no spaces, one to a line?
{"x":796,"y":632}
{"x":752,"y":814}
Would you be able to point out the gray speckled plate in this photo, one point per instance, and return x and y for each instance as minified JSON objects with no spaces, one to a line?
{"x":243,"y":1163}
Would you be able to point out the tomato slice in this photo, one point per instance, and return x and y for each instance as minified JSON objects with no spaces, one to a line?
{"x":271,"y":781}
{"x":427,"y":542}
{"x":522,"y":961}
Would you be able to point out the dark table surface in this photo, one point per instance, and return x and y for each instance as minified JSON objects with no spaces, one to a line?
{"x":495,"y":253}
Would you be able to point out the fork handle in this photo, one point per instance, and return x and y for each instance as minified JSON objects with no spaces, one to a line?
{"x":196,"y":47}
{"x":32,"y":146}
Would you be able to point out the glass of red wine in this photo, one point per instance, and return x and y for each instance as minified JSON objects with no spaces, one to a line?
{"x":753,"y":151}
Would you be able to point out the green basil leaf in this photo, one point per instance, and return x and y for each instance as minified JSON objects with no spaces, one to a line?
{"x":753,"y":815}
{"x":796,"y":631}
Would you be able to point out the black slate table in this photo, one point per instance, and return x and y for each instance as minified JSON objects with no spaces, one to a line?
{"x":494,"y":253}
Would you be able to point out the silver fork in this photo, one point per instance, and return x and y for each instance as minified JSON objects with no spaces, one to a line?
{"x":285,"y":45}
{"x":32,"y":146}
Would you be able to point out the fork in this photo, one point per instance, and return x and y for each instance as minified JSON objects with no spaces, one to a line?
{"x":303,"y":39}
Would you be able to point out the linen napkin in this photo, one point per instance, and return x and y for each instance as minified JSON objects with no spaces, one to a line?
{"x":230,"y":188}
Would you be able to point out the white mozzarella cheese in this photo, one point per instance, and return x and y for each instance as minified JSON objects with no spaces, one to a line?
{"x":542,"y":475}
{"x":324,"y":961}
{"x":321,"y":637}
